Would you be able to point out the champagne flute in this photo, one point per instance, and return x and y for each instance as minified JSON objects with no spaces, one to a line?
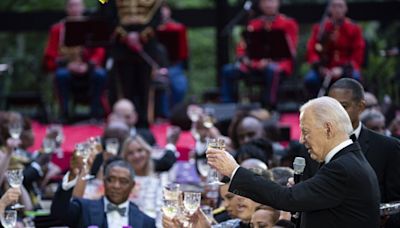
{"x":213,"y":177}
{"x":191,"y":201}
{"x":112,"y":146}
{"x":15,"y":178}
{"x":83,"y":150}
{"x":208,"y":118}
{"x":9,"y":219}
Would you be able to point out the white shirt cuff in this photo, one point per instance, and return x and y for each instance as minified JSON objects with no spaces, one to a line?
{"x":170,"y":146}
{"x":234,"y":172}
{"x":68,"y":185}
{"x":37,"y":167}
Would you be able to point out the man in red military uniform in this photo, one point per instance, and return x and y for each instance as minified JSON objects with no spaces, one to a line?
{"x":270,"y":19}
{"x":173,"y":35}
{"x":335,"y":48}
{"x":73,"y":63}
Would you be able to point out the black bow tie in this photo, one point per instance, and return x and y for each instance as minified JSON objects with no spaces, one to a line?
{"x":353,"y":137}
{"x":111,"y":207}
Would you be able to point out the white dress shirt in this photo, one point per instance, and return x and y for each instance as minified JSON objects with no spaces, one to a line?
{"x":336,"y":150}
{"x":357,"y":131}
{"x":114,"y":219}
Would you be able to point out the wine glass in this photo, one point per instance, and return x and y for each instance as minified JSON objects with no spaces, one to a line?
{"x":194,"y":112}
{"x":170,"y":208}
{"x":9,"y":219}
{"x":191,"y":201}
{"x":49,"y":145}
{"x":95,"y":144}
{"x":213,"y":177}
{"x":15,"y":131}
{"x":15,"y":178}
{"x":112,"y":146}
{"x":56,"y":131}
{"x":208,"y":118}
{"x":83,"y":150}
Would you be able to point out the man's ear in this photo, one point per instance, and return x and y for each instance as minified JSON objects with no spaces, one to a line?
{"x":328,"y":126}
{"x":361,"y":106}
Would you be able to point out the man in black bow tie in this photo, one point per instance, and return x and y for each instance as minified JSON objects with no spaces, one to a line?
{"x":112,"y":211}
{"x":382,"y":152}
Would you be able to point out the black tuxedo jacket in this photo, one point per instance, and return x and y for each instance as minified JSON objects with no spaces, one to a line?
{"x":343,"y":193}
{"x":83,"y":212}
{"x":383,"y":153}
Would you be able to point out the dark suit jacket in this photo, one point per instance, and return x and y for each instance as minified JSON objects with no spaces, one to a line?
{"x":343,"y":193}
{"x":83,"y":212}
{"x":383,"y":153}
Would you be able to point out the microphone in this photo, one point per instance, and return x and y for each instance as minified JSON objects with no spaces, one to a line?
{"x":298,"y":165}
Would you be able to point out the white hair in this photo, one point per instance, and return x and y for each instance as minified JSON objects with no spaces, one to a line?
{"x":329,"y":110}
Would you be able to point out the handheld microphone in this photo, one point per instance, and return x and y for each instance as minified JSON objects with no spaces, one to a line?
{"x":298,"y":165}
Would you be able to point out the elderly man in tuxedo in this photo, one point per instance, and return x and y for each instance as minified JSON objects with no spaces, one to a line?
{"x":343,"y":193}
{"x":112,"y":211}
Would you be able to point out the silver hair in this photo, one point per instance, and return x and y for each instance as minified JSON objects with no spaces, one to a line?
{"x":327,"y":109}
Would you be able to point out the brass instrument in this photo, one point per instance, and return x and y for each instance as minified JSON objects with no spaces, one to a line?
{"x":137,"y":11}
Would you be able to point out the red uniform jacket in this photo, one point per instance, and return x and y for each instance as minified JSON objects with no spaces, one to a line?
{"x":51,"y":56}
{"x":346,"y":45}
{"x":288,"y":25}
{"x":173,"y":36}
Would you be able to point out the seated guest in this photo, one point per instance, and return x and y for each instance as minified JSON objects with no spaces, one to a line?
{"x":282,"y":174}
{"x":147,"y":193}
{"x":245,"y":128}
{"x":264,"y":217}
{"x":125,"y":110}
{"x":239,"y":208}
{"x":270,"y":69}
{"x":373,"y":120}
{"x":371,"y":102}
{"x":260,"y":149}
{"x":335,"y":49}
{"x":113,"y":210}
{"x":75,"y":63}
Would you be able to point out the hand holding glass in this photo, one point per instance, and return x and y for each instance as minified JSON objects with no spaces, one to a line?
{"x":83,"y":150}
{"x":15,"y":178}
{"x":213,"y":177}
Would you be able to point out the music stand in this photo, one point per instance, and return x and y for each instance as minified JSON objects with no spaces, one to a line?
{"x":171,"y":40}
{"x":90,"y":32}
{"x":267,"y":44}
